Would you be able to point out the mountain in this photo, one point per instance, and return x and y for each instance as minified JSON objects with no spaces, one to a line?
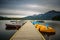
{"x":50,"y":15}
{"x":34,"y":17}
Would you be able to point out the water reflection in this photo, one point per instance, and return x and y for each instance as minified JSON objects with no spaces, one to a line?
{"x":6,"y":33}
{"x":56,"y":26}
{"x":13,"y":28}
{"x":47,"y":35}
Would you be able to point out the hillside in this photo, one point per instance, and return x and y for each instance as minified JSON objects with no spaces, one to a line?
{"x":50,"y":15}
{"x":47,"y":16}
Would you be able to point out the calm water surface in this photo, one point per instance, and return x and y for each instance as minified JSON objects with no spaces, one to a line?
{"x":56,"y":26}
{"x":4,"y":33}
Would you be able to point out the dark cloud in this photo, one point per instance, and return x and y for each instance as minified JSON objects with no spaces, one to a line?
{"x":21,"y":5}
{"x":40,"y":2}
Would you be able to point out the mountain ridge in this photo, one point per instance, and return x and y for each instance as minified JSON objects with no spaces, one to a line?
{"x":47,"y":16}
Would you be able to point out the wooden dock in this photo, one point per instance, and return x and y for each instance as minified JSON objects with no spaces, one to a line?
{"x":27,"y":32}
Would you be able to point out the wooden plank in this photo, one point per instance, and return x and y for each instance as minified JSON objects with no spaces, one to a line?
{"x":27,"y":32}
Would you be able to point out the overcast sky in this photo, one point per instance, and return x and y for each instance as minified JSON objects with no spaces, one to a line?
{"x":27,"y":7}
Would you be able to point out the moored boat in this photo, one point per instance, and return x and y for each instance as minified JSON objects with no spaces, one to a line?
{"x":13,"y":26}
{"x":43,"y":28}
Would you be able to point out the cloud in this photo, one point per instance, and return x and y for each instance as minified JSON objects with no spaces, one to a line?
{"x":28,"y":7}
{"x":16,"y":12}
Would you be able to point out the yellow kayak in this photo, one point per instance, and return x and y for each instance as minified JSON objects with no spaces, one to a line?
{"x":43,"y":28}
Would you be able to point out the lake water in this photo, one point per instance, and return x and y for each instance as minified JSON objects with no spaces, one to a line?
{"x":6,"y":34}
{"x":56,"y":26}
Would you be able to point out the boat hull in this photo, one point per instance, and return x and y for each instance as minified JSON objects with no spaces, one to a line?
{"x":12,"y":26}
